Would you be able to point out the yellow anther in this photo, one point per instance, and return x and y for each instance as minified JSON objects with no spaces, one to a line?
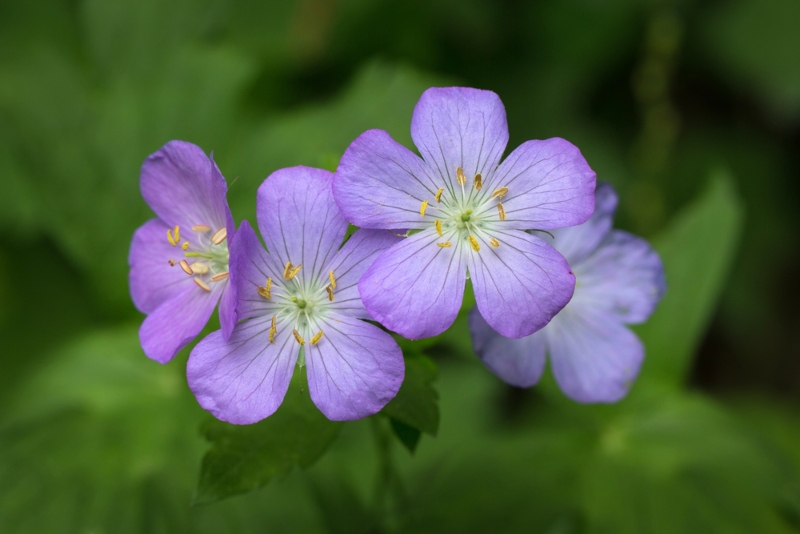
{"x":289,"y":271}
{"x":171,"y":262}
{"x":170,"y":238}
{"x":474,"y":242}
{"x":438,"y":225}
{"x":298,"y":337}
{"x":273,"y":329}
{"x":200,"y":268}
{"x":460,"y":176}
{"x":330,"y":293}
{"x":494,"y":242}
{"x":177,"y":234}
{"x":423,"y":208}
{"x":220,"y":276}
{"x":500,"y":193}
{"x":333,"y":280}
{"x":316,"y":338}
{"x":266,"y":291}
{"x":478,"y":183}
{"x":501,"y":211}
{"x":446,"y":244}
{"x":219,"y":236}
{"x":185,"y":245}
{"x":202,"y":284}
{"x":438,"y":196}
{"x":201,"y":228}
{"x":185,"y":266}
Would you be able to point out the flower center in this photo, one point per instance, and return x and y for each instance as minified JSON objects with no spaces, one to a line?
{"x":206,"y":258}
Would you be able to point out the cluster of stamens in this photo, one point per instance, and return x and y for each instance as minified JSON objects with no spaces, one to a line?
{"x":209,"y":255}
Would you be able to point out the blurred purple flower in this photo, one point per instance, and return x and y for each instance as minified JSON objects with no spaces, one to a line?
{"x":179,"y":261}
{"x":595,"y":357}
{"x":471,"y":212}
{"x":302,"y":306}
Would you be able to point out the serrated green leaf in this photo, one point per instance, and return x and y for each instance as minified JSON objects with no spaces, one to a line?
{"x":417,"y":403}
{"x":243,"y":458}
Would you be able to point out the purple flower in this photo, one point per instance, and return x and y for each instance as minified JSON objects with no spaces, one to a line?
{"x":470,"y":212}
{"x":302,"y":306}
{"x":179,"y":261}
{"x":595,"y":357}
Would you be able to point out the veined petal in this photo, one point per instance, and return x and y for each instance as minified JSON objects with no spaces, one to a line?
{"x":460,"y":127}
{"x":594,"y":357}
{"x":299,"y":220}
{"x":184,"y":187}
{"x":549,"y":183}
{"x":520,"y":285}
{"x":245,"y":379}
{"x":228,"y":315}
{"x":576,"y":242}
{"x":349,"y":265}
{"x":519,"y":362}
{"x":176,"y":322}
{"x":382,"y":184}
{"x":251,"y":266}
{"x":623,"y":278}
{"x":415,"y":288}
{"x":353,"y":370}
{"x":152,"y":280}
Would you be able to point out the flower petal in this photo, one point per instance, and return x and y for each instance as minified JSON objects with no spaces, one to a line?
{"x":576,"y":242}
{"x":382,"y":184}
{"x":245,"y":379}
{"x":624,"y":278}
{"x":184,"y":187}
{"x":520,"y":285}
{"x":460,"y":127}
{"x":250,"y":267}
{"x":415,"y":288}
{"x":354,"y":369}
{"x":549,"y":183}
{"x":299,"y":219}
{"x":519,"y":362}
{"x":153,"y":281}
{"x":227,"y":310}
{"x":349,"y":265}
{"x":594,"y":357}
{"x":175,"y":323}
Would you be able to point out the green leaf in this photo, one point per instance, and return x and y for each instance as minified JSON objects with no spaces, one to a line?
{"x":243,"y":458}
{"x":408,"y":435}
{"x":697,"y":250}
{"x":417,"y":403}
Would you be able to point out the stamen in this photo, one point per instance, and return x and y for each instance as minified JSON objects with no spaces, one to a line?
{"x":438,"y":225}
{"x":333,"y":279}
{"x":478,"y":183}
{"x":170,"y":238}
{"x":185,"y":245}
{"x":177,"y":234}
{"x":202,"y":284}
{"x":423,"y":208}
{"x":501,"y":211}
{"x":220,"y":276}
{"x":171,"y":262}
{"x":446,"y":244}
{"x":500,"y":193}
{"x":273,"y":329}
{"x":201,"y":228}
{"x":219,"y":236}
{"x":438,"y":196}
{"x":185,"y":266}
{"x":200,"y":268}
{"x":316,"y":338}
{"x":298,"y":337}
{"x":460,"y":176}
{"x":494,"y":242}
{"x":265,"y":291}
{"x":287,"y":269}
{"x":330,"y":293}
{"x":294,"y":272}
{"x":474,"y":242}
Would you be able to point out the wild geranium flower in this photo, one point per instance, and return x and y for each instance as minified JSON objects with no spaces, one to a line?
{"x":302,"y":307}
{"x":595,"y":357}
{"x":470,"y":212}
{"x":179,"y":261}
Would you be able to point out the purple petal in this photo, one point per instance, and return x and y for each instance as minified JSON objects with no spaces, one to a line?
{"x":184,"y":186}
{"x":175,"y":323}
{"x":349,"y":265}
{"x":153,"y":281}
{"x":415,"y":288}
{"x":549,"y":183}
{"x":460,"y":127}
{"x":227,"y":310}
{"x":299,"y":219}
{"x":576,"y":242}
{"x":594,"y":358}
{"x":250,"y":267}
{"x":382,"y":184}
{"x":519,"y":362}
{"x":520,"y":285}
{"x":245,"y":379}
{"x":354,"y":369}
{"x":623,"y":278}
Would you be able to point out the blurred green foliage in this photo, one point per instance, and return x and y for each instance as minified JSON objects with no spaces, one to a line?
{"x":691,"y":109}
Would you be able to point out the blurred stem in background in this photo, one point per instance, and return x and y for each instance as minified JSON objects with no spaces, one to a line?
{"x":391,"y":499}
